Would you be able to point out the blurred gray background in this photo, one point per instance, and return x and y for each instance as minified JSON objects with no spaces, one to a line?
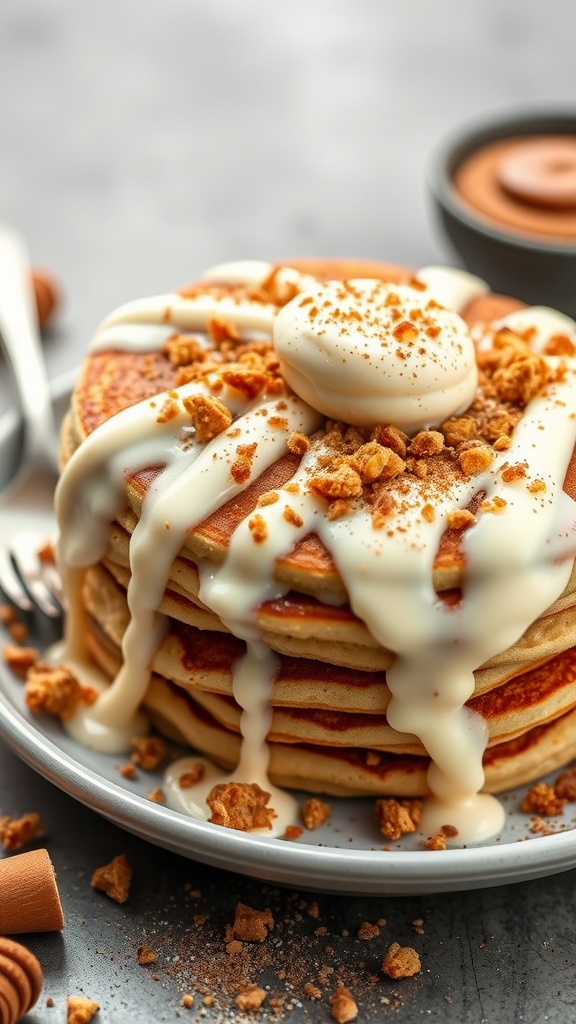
{"x":143,"y":140}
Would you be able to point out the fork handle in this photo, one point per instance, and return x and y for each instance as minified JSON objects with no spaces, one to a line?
{"x":20,"y":335}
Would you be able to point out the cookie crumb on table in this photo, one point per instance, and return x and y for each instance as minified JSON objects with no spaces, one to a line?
{"x":146,"y":955}
{"x":81,"y":1010}
{"x":251,"y":998}
{"x":252,"y":925}
{"x":17,"y":832}
{"x":343,"y":1006}
{"x":401,"y":961}
{"x":114,"y":879}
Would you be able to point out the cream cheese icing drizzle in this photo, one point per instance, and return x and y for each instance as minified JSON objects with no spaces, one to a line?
{"x":518,"y":562}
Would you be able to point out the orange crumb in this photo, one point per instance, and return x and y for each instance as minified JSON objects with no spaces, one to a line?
{"x":475,"y":459}
{"x":343,"y":1005}
{"x":17,"y":832}
{"x":461,"y":519}
{"x":251,"y":998}
{"x":401,"y":961}
{"x":148,"y":752}
{"x":193,"y":776}
{"x":156,"y":795}
{"x":169,"y":411}
{"x":53,"y":690}
{"x":396,"y":818}
{"x":293,"y":832}
{"x":437,"y":842}
{"x":516,"y":472}
{"x":208,"y":415}
{"x":146,"y":955}
{"x":252,"y":925}
{"x":315,"y":812}
{"x":81,"y":1010}
{"x":114,"y":879}
{"x":426,"y":442}
{"x":298,"y":443}
{"x":19,"y":659}
{"x":128,"y":771}
{"x":565,"y":785}
{"x":18,"y":631}
{"x":312,"y":991}
{"x":543,"y":799}
{"x":7,"y":614}
{"x":187,"y":1001}
{"x":258,"y":528}
{"x":368,"y":931}
{"x":242,"y":464}
{"x":240,"y":805}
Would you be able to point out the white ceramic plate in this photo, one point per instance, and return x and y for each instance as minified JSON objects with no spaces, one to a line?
{"x":344,"y":856}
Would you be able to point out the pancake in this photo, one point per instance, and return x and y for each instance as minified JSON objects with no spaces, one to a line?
{"x":318,"y":520}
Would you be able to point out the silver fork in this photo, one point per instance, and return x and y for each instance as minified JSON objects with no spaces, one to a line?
{"x":26,"y":505}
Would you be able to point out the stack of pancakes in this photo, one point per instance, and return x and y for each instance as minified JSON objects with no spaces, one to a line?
{"x":328,"y":731}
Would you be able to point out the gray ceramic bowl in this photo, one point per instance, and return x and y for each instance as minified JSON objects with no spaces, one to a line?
{"x":541,"y":272}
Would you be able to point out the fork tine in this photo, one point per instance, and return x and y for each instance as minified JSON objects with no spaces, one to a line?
{"x":11,"y":584}
{"x":31,"y":570}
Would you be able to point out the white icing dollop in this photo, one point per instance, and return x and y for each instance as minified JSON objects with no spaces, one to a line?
{"x":367,"y":352}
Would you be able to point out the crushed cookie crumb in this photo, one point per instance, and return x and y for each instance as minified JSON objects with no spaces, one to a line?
{"x":292,"y":517}
{"x":187,"y":1001}
{"x":242,"y":465}
{"x":81,"y":1010}
{"x":157,"y":796}
{"x":148,"y":752}
{"x":240,"y":805}
{"x":7,"y":614}
{"x":114,"y":879}
{"x":52,"y":690}
{"x":426,"y":442}
{"x":401,"y":962}
{"x":293,"y":832}
{"x":461,"y":519}
{"x":343,"y":1006}
{"x":565,"y":785}
{"x":146,"y":955}
{"x":168,"y":411}
{"x":368,"y":931}
{"x":475,"y":459}
{"x":315,"y":812}
{"x":18,"y":832}
{"x":252,"y":925}
{"x":19,"y":659}
{"x":208,"y":415}
{"x":436,"y":842}
{"x":298,"y":443}
{"x":396,"y":818}
{"x":543,"y":799}
{"x":18,"y":631}
{"x":312,"y":991}
{"x":192,"y":776}
{"x":251,"y":998}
